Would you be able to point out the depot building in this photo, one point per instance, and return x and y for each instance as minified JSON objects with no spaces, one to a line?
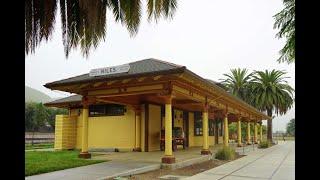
{"x":148,"y":105}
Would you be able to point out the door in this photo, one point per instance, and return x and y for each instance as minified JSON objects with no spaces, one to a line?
{"x":186,"y":126}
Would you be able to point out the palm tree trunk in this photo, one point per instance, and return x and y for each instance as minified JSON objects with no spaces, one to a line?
{"x":269,"y":134}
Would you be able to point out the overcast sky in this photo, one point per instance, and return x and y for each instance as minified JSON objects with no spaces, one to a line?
{"x":208,"y":38}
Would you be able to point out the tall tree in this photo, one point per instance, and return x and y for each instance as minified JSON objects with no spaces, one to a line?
{"x":84,"y":21}
{"x":237,"y":82}
{"x":291,"y":126}
{"x":52,"y":112}
{"x":285,"y":21}
{"x":35,"y":117}
{"x":270,"y":92}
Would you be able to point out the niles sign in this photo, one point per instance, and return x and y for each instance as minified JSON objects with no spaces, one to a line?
{"x":110,"y":70}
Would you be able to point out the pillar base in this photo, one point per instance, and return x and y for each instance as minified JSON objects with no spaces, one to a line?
{"x":84,"y":155}
{"x":239,"y":145}
{"x":249,"y":143}
{"x":255,"y":142}
{"x":136,"y":150}
{"x":168,"y":159}
{"x":205,"y":152}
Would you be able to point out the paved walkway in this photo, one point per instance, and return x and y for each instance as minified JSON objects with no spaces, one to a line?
{"x":276,"y":162}
{"x":92,"y":172}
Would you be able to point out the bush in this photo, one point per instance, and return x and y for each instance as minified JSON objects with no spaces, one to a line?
{"x":264,"y":144}
{"x":226,"y":153}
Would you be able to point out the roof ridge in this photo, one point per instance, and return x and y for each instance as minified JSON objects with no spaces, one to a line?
{"x":166,"y":62}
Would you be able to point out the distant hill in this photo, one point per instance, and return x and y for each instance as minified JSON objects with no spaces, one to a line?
{"x":33,"y":95}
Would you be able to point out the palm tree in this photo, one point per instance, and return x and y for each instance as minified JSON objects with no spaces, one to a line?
{"x":285,"y":21}
{"x":270,"y":92}
{"x":84,"y":21}
{"x":238,"y":82}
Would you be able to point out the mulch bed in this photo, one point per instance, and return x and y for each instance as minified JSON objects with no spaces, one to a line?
{"x":185,"y":171}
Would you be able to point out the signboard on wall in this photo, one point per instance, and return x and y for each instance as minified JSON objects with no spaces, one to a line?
{"x":110,"y":70}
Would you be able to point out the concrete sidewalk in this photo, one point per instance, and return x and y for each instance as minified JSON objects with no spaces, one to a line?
{"x":276,"y":162}
{"x":97,"y":171}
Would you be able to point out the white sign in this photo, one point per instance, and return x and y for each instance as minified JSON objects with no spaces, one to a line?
{"x":110,"y":70}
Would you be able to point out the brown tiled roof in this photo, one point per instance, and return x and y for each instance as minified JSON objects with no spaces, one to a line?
{"x":137,"y":68}
{"x":142,"y":67}
{"x":70,"y":99}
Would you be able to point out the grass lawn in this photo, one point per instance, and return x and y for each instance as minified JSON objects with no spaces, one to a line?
{"x":37,"y":162}
{"x":38,"y":146}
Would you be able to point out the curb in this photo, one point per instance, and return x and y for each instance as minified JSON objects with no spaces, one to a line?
{"x":187,"y":162}
{"x":134,"y":171}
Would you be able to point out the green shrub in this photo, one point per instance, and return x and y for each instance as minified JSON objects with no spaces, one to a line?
{"x":226,"y":153}
{"x":264,"y":144}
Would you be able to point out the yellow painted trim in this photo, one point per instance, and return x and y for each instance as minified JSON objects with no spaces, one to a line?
{"x":103,"y":92}
{"x":186,"y":92}
{"x":144,"y":88}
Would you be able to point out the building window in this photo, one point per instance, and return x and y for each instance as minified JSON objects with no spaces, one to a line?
{"x":198,"y":123}
{"x":106,"y":110}
{"x":211,"y":127}
{"x":97,"y":110}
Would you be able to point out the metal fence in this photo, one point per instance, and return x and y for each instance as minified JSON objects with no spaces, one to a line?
{"x":37,"y":137}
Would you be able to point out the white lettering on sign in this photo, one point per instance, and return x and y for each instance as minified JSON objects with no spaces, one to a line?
{"x":110,"y":70}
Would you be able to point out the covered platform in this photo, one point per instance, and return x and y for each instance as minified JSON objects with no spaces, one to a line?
{"x":153,"y":95}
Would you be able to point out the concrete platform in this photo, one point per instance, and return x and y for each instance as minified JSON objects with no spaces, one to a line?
{"x":129,"y":163}
{"x":276,"y":162}
{"x":155,"y":156}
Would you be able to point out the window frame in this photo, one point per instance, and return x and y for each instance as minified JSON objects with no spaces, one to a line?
{"x":197,"y":119}
{"x":106,"y":108}
{"x":211,"y":126}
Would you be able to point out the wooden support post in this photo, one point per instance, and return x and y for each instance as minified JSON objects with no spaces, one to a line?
{"x":84,"y":145}
{"x":168,"y":154}
{"x":255,"y":137}
{"x":137,"y":147}
{"x":248,"y":134}
{"x":239,"y":131}
{"x":226,"y":130}
{"x":261,"y":132}
{"x":205,"y":122}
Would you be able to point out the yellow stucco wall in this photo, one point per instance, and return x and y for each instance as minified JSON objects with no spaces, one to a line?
{"x":75,"y":112}
{"x":108,"y":131}
{"x":65,"y":132}
{"x":198,"y":140}
{"x":112,"y":131}
{"x":154,"y":127}
{"x":119,"y":131}
{"x":191,"y":129}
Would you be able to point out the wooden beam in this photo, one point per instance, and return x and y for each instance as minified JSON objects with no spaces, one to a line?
{"x":125,"y":81}
{"x":111,"y":82}
{"x":157,"y":77}
{"x":98,"y":84}
{"x":141,"y":79}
